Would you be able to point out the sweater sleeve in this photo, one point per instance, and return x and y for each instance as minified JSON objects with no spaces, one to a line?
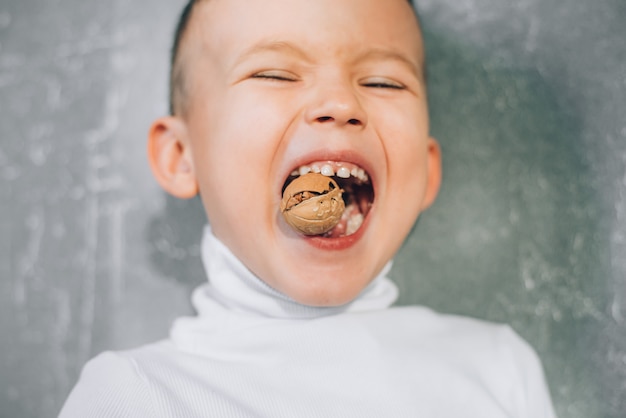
{"x":533,"y":396}
{"x":111,"y":385}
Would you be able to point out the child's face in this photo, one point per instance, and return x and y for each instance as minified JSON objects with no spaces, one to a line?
{"x":278,"y":84}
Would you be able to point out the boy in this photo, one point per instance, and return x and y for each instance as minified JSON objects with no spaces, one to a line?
{"x":297,"y":324}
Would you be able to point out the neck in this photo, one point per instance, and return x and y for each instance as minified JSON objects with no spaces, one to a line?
{"x":236,"y":288}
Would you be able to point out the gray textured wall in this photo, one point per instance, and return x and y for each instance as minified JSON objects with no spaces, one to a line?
{"x":527,"y":97}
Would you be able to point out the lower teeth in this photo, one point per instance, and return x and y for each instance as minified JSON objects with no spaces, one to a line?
{"x":354,"y":223}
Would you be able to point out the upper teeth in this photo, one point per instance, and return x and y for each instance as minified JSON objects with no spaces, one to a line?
{"x":329,"y":169}
{"x":343,"y":172}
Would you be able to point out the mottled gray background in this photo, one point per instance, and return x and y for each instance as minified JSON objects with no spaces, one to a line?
{"x":527,"y":97}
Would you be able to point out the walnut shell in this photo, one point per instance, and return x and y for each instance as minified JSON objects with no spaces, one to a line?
{"x":312,"y":204}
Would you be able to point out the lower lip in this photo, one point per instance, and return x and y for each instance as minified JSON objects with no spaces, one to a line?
{"x":342,"y":243}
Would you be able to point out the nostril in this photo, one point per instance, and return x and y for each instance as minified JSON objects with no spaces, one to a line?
{"x":351,"y":121}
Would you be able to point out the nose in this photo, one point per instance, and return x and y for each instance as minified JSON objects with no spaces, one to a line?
{"x":336,"y":104}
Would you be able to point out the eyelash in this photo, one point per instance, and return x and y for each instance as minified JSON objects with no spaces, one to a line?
{"x":381,"y":85}
{"x":273,"y":77}
{"x":373,"y":84}
{"x":382,"y":82}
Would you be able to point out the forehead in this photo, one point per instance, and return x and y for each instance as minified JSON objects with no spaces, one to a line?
{"x":227,"y":28}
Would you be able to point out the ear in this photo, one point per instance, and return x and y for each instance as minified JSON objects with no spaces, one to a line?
{"x":169,"y":154}
{"x":434,"y":173}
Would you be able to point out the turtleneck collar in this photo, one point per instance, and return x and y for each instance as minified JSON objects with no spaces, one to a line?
{"x":234,"y":287}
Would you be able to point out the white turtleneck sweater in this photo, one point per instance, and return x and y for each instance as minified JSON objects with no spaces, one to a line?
{"x":253,"y":352}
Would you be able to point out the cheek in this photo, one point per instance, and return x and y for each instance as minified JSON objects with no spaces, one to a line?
{"x":233,"y":163}
{"x":240,"y":130}
{"x":260,"y":105}
{"x":402,"y":123}
{"x":250,"y":129}
{"x":406,"y":145}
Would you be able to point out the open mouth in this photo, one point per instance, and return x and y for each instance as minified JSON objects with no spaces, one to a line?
{"x":357,"y":193}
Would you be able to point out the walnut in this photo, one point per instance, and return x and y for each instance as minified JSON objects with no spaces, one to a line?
{"x":312,"y":204}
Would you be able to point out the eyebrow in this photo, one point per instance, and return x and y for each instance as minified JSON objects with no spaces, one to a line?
{"x":273,"y":46}
{"x":390,"y":55}
{"x":374,"y":54}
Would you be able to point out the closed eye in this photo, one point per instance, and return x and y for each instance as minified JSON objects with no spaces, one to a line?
{"x":275,"y":75}
{"x":382,"y":83}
